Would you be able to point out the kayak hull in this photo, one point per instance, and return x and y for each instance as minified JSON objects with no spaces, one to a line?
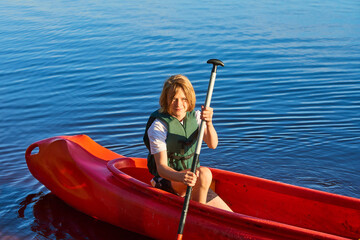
{"x":115,"y":189}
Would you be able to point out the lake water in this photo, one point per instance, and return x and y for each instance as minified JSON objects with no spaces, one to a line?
{"x":286,"y":104}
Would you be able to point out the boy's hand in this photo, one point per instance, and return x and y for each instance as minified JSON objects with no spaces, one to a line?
{"x":207,"y":114}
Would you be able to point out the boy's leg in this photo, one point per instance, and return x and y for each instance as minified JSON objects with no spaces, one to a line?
{"x":202,"y":185}
{"x":215,"y":201}
{"x":200,"y":190}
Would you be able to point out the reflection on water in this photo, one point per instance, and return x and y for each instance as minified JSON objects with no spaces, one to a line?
{"x":53,"y":219}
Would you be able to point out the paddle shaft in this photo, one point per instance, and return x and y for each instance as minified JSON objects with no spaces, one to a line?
{"x":215,"y":62}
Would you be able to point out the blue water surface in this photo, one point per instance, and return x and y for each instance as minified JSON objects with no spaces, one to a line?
{"x":286,"y":104}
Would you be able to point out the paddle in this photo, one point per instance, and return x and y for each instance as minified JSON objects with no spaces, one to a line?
{"x":215,"y":63}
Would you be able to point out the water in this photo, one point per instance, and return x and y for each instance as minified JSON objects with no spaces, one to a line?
{"x":287,"y":102}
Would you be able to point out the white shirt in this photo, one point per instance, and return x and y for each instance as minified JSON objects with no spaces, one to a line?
{"x":157,"y":134}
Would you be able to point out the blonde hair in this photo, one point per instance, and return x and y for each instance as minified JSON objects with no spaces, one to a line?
{"x":171,"y":86}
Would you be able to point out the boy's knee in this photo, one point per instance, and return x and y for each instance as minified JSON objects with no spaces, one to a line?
{"x":205,"y":175}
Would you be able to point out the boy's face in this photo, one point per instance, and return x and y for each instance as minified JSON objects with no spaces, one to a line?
{"x":178,"y":105}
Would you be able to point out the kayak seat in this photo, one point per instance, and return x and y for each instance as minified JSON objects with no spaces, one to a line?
{"x":130,"y":167}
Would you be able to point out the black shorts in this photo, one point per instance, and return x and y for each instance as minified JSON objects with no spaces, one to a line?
{"x":162,"y":184}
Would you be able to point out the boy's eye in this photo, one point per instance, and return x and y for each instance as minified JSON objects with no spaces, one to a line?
{"x":183,"y":99}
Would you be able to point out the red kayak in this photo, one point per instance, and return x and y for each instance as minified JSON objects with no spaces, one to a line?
{"x":117,"y":190}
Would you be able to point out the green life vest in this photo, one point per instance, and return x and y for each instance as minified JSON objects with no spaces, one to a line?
{"x":180,"y":141}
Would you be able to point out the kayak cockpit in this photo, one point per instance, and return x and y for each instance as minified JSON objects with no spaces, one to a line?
{"x":135,"y":168}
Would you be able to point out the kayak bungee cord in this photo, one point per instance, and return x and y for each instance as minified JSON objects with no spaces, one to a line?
{"x":215,"y":63}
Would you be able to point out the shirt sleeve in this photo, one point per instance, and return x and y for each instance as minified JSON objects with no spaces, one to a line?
{"x":197,"y":115}
{"x":157,"y":134}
